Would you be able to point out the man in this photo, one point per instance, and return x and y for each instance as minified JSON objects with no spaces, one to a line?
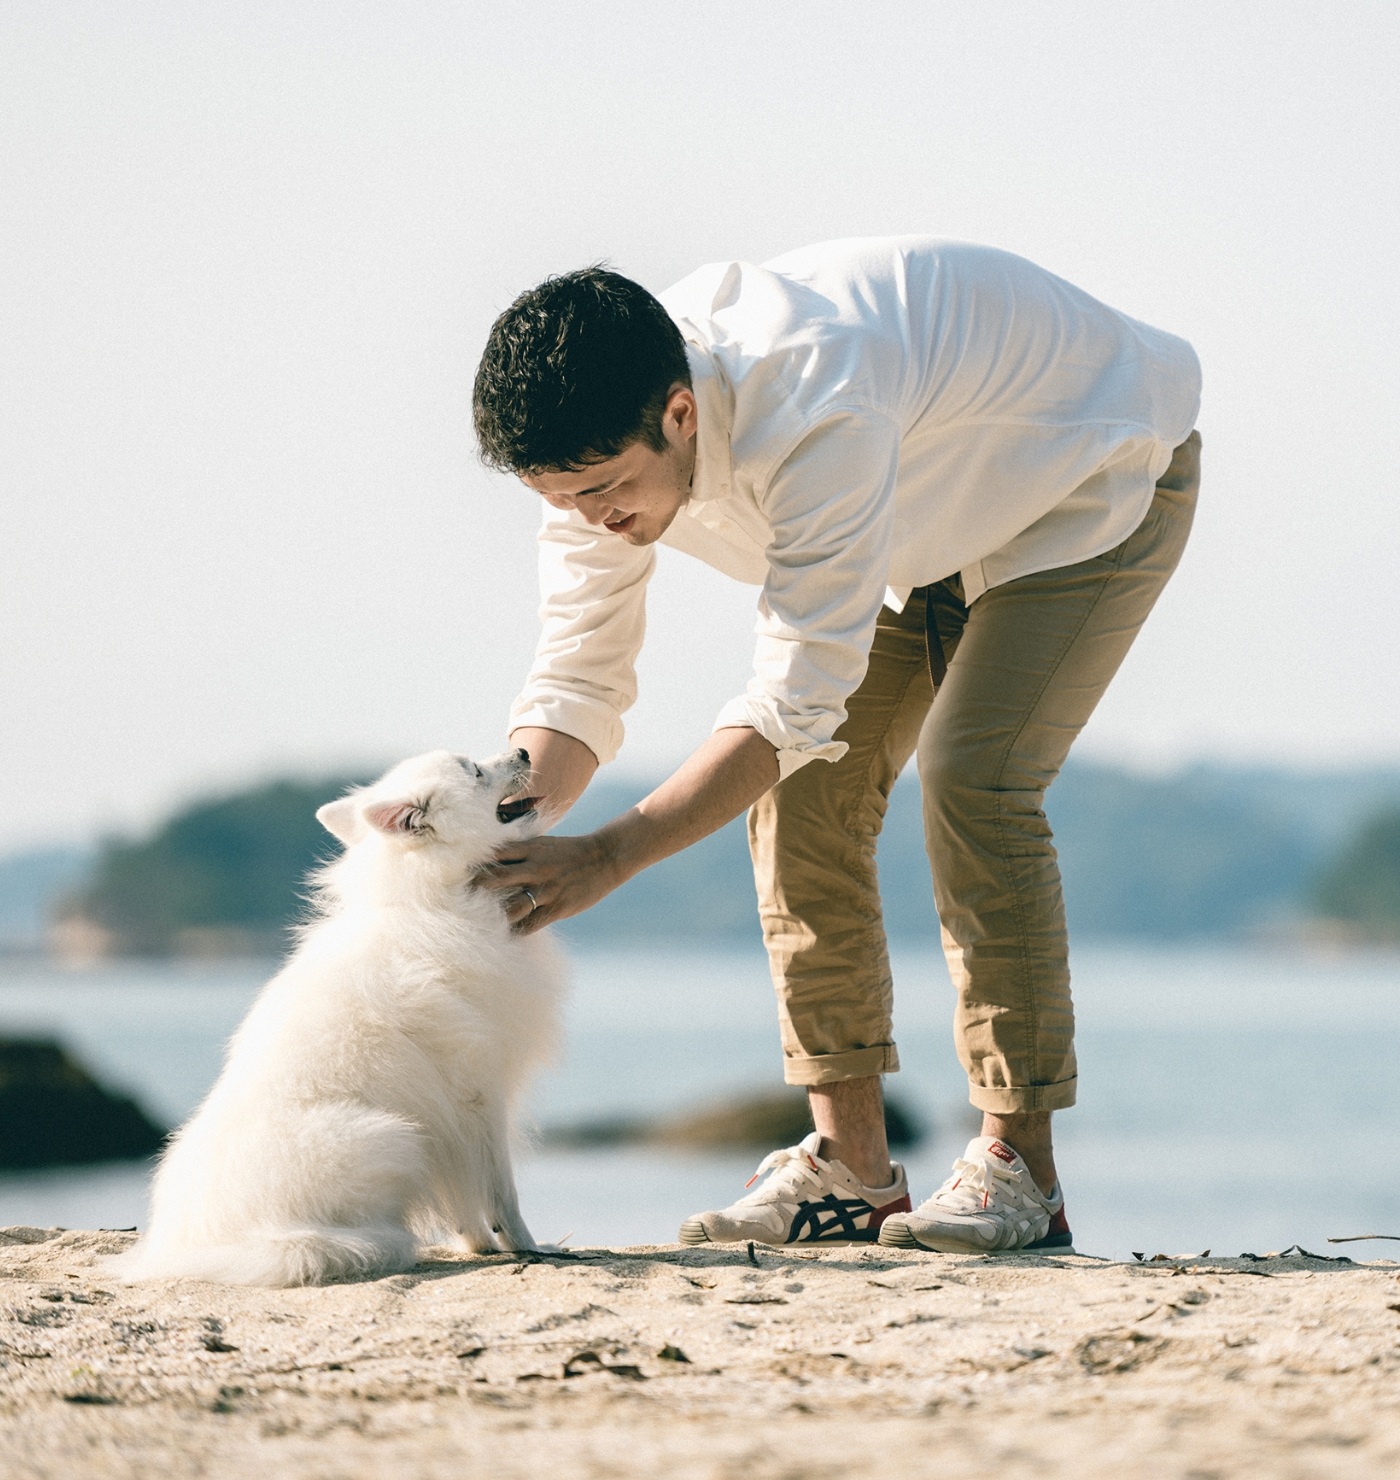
{"x":961,"y":484}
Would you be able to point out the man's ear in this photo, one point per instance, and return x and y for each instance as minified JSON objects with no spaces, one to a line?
{"x":341,"y":818}
{"x":396,"y":818}
{"x":681,"y":416}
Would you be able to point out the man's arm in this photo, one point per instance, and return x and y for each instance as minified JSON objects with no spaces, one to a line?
{"x":560,"y":768}
{"x":830,"y":505}
{"x":583,"y":679}
{"x":831,"y":508}
{"x":725,"y":776}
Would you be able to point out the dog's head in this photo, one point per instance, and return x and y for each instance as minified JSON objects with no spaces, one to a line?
{"x":441,"y":801}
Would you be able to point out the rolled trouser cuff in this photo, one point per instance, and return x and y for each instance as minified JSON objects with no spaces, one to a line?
{"x":831,"y":1068}
{"x":1017,"y":1099}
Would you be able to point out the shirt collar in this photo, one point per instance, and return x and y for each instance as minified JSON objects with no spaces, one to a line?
{"x":714,"y":398}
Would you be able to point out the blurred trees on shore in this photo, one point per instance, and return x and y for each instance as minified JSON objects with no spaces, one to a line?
{"x":222,"y":877}
{"x":1361,"y":887}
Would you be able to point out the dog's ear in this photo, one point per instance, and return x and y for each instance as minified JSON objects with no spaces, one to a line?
{"x":395,"y":818}
{"x":341,"y":818}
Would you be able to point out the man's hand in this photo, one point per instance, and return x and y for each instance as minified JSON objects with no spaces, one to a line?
{"x":563,"y":877}
{"x":550,"y":879}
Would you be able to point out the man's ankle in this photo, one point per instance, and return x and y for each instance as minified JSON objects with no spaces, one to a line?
{"x":1028,"y":1135}
{"x":850,"y":1115}
{"x":869,"y":1170}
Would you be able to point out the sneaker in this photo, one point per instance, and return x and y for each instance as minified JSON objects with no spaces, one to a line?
{"x":805,"y":1200}
{"x":990,"y":1204}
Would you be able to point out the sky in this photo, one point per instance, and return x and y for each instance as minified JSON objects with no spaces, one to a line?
{"x":249,"y":254}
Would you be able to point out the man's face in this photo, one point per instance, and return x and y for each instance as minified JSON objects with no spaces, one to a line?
{"x":640,"y":491}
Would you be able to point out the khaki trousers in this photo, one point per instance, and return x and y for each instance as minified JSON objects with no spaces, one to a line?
{"x":1026,"y":664}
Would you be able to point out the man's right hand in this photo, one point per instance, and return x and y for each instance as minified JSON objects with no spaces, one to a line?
{"x":560,"y":768}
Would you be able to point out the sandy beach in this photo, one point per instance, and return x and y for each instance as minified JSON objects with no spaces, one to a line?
{"x":704,"y":1363}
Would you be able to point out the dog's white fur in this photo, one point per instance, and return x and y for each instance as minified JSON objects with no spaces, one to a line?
{"x":367,"y":1101}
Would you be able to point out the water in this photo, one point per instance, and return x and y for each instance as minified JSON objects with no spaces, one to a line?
{"x":1229,"y":1099}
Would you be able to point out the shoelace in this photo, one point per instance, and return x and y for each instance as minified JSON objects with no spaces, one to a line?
{"x":793,"y":1172}
{"x":974,"y":1184}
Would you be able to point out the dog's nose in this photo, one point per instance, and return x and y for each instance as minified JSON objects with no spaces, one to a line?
{"x":523,"y":755}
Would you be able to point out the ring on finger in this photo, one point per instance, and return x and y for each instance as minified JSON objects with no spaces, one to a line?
{"x":534,"y":903}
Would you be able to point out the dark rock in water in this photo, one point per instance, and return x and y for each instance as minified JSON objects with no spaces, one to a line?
{"x":762,"y":1121}
{"x":903,"y":1129}
{"x":54,"y":1113}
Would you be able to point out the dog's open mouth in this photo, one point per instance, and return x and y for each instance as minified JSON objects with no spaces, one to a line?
{"x":514,"y":808}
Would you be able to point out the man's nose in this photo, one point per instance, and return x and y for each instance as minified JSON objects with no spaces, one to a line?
{"x":595,"y":511}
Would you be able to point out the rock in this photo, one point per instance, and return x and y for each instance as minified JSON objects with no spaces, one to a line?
{"x":761,"y":1121}
{"x":54,"y":1113}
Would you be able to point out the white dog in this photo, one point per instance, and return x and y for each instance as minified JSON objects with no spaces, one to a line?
{"x":368,"y":1099}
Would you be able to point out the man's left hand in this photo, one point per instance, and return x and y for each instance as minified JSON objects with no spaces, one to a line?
{"x":549,"y":879}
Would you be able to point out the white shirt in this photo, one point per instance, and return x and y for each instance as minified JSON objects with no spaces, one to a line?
{"x":875,"y":415}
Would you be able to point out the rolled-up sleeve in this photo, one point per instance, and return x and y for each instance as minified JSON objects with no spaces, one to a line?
{"x":830,"y":504}
{"x":592,"y":620}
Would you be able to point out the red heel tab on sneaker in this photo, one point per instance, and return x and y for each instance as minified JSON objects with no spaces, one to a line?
{"x":878,"y":1215}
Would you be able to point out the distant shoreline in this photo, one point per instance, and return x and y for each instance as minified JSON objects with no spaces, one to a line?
{"x":1323,"y":939}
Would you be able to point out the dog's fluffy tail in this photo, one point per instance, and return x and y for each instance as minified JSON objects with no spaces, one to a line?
{"x":298,"y":1256}
{"x":326,"y":1196}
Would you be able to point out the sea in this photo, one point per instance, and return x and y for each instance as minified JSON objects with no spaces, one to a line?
{"x":1231,"y":1099}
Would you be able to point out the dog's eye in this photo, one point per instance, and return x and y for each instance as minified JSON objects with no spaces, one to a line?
{"x":471,"y":768}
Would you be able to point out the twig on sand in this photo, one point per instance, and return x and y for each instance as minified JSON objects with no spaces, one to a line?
{"x":1357,"y":1238}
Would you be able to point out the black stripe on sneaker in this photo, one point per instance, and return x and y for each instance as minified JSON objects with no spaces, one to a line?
{"x":832,"y":1219}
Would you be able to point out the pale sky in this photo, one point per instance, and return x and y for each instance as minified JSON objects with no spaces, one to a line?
{"x":249,"y":253}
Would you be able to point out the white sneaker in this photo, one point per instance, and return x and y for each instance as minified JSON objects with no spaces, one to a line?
{"x":805,"y":1200}
{"x":989,"y":1205}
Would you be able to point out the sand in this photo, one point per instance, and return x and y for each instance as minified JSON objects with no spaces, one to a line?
{"x":699,"y":1363}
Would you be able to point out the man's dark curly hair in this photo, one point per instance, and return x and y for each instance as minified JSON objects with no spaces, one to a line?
{"x":574,"y":371}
